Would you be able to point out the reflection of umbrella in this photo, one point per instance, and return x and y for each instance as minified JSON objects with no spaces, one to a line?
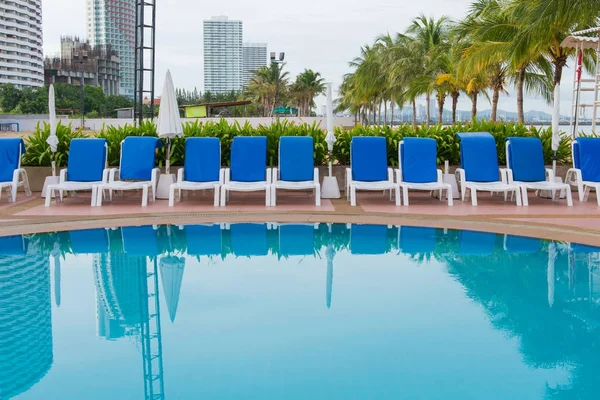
{"x":56,"y":255}
{"x":52,"y":139}
{"x":551,"y":259}
{"x":171,"y":274}
{"x":169,"y":123}
{"x":329,"y":253}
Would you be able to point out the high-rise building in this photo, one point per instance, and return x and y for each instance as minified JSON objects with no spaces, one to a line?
{"x":254,"y":57}
{"x":222,"y":55}
{"x":21,"y":57}
{"x":112,"y":22}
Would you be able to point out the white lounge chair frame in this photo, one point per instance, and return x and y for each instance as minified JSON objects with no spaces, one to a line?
{"x":467,"y":187}
{"x":429,"y":186}
{"x":548,"y":184}
{"x":114,"y":183}
{"x":293,"y":185}
{"x":352,"y":186}
{"x":575,"y":177}
{"x":236,"y":186}
{"x":19,"y":179}
{"x":73,"y":186}
{"x":182,"y":184}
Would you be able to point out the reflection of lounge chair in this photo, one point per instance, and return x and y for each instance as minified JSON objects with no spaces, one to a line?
{"x":140,"y":241}
{"x":249,"y":240}
{"x":296,"y":167}
{"x":202,"y":169}
{"x":521,"y":245}
{"x":476,"y":243}
{"x":479,"y":167}
{"x":13,"y":245}
{"x":136,"y":169}
{"x":368,"y":239}
{"x":203,"y":240}
{"x":525,"y":167}
{"x":296,"y":240}
{"x":416,"y":240}
{"x":418,"y":168}
{"x":89,"y":241}
{"x":586,"y":167}
{"x":369,"y":168}
{"x":86,"y":169}
{"x":248,"y":172}
{"x":11,"y":174}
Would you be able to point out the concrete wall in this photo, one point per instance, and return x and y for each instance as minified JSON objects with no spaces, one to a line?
{"x":27,"y":123}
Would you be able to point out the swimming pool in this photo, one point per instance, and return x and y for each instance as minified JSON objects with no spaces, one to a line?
{"x":255,"y":311}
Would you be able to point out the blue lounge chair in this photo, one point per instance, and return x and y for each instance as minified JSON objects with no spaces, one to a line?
{"x":136,"y":170}
{"x":418,"y":168}
{"x":297,"y":239}
{"x":86,"y":169}
{"x":203,"y":240}
{"x":586,"y":167}
{"x":202,"y":169}
{"x":472,"y":243}
{"x":525,"y":167}
{"x":11,"y":174}
{"x":248,"y":172}
{"x":249,"y":239}
{"x":479,"y":167}
{"x":369,"y":168}
{"x":89,"y":241}
{"x":13,"y":245}
{"x":368,"y":239}
{"x":296,"y":167}
{"x":416,"y":240}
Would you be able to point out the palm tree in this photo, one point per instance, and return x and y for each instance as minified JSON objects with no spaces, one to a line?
{"x":308,"y":85}
{"x":268,"y":86}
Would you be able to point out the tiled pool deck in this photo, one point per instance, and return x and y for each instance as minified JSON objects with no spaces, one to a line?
{"x":543,"y":218}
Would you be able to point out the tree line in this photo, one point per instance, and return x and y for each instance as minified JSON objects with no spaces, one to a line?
{"x":497,"y":45}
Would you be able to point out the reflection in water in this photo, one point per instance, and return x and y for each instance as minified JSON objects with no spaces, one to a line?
{"x":545,"y":294}
{"x":25,"y":316}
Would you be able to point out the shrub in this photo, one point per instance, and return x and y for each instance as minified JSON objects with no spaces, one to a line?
{"x":38,"y":152}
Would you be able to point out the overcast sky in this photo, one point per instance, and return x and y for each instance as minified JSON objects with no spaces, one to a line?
{"x":319,"y":34}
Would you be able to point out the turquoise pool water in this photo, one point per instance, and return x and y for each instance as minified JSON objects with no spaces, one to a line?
{"x":252,"y":311}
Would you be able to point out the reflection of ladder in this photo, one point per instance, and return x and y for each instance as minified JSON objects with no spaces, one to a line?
{"x":151,"y":336}
{"x":583,"y":40}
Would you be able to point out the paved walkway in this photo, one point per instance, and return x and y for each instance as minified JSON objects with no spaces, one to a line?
{"x":543,"y":218}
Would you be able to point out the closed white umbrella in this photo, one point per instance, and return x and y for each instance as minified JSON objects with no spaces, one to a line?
{"x":555,"y":126}
{"x":52,"y":139}
{"x":169,"y":122}
{"x":330,"y":188}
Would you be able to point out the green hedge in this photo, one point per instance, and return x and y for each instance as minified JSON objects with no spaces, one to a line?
{"x":38,"y":152}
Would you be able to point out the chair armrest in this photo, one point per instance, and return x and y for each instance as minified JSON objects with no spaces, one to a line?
{"x":105,"y":173}
{"x":576,"y":172}
{"x":398,"y":175}
{"x":275,"y":174}
{"x":269,"y":175}
{"x":503,"y":175}
{"x":440,"y":176}
{"x":63,"y":175}
{"x":227,"y":175}
{"x":180,"y":175}
{"x":391,"y":175}
{"x":112,"y":176}
{"x":550,"y":173}
{"x":155,"y":175}
{"x":316,"y":175}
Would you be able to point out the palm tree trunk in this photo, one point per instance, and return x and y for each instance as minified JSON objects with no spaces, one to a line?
{"x":454,"y":104}
{"x":414,"y":113}
{"x":520,"y":90}
{"x":392,"y":114}
{"x":495,"y":98}
{"x":474,"y":107}
{"x":427,"y":107}
{"x":441,"y":101}
{"x":385,"y":112}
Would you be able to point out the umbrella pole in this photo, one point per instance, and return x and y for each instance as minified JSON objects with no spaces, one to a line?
{"x":53,"y":166}
{"x":168,"y":162}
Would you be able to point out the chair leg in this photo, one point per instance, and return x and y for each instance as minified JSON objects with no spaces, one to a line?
{"x":398,"y":198}
{"x":318,"y":195}
{"x":268,"y":196}
{"x":223,"y":197}
{"x":171,"y":196}
{"x":473,"y":196}
{"x":216,"y":199}
{"x":49,"y":193}
{"x":145,"y":196}
{"x":405,"y":195}
{"x":99,"y":197}
{"x":586,"y":192}
{"x":94,"y":196}
{"x":569,"y":196}
{"x":449,"y":195}
{"x":352,"y":196}
{"x":525,"y":196}
{"x":26,"y":184}
{"x":273,"y":196}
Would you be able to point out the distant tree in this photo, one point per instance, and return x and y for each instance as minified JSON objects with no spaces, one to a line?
{"x":10,"y":97}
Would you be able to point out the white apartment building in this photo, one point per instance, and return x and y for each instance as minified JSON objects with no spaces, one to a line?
{"x":222,"y":55}
{"x":21,"y":56}
{"x":112,"y":22}
{"x":254,"y":56}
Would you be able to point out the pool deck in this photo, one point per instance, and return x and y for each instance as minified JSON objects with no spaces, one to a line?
{"x":543,"y":218}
